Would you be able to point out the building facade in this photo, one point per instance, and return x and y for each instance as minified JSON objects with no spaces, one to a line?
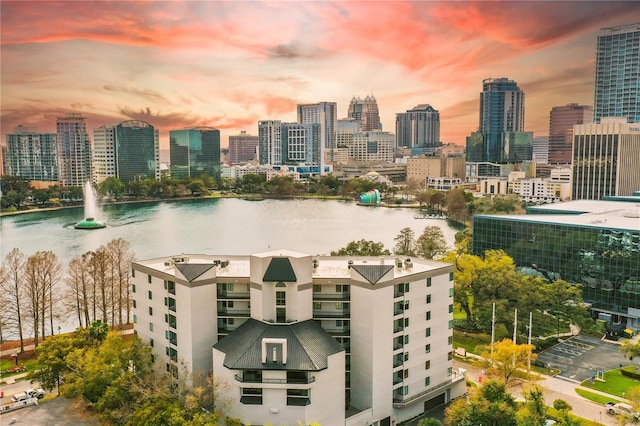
{"x":592,"y":243}
{"x":418,"y":129}
{"x":74,"y":150}
{"x":372,"y":146}
{"x":298,"y":338}
{"x":500,"y":137}
{"x":243,"y":148}
{"x":365,"y":112}
{"x":194,"y":152}
{"x":302,"y":143}
{"x":421,"y":168}
{"x":103,"y":154}
{"x":617,"y":72}
{"x":606,"y":159}
{"x":31,"y":155}
{"x":270,"y":142}
{"x":561,"y":122}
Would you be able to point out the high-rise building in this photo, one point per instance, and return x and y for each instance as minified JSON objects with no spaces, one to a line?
{"x":418,"y":129}
{"x":243,"y":148}
{"x":270,"y":142}
{"x":325,"y":114}
{"x":606,"y":159}
{"x":541,"y":150}
{"x":301,"y":338}
{"x":129,"y":151}
{"x":617,"y":73}
{"x":32,"y":155}
{"x":500,"y":137}
{"x":74,"y":150}
{"x":302,"y":143}
{"x":194,"y":152}
{"x":561,"y":121}
{"x":365,"y":112}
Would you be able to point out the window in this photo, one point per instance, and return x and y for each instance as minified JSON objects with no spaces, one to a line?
{"x":166,"y":301}
{"x":451,"y":308}
{"x":450,"y":276}
{"x":450,"y":356}
{"x":403,"y":390}
{"x":428,"y":315}
{"x":449,"y":371}
{"x":150,"y":326}
{"x":135,"y":319}
{"x":340,"y":323}
{"x":150,"y":295}
{"x":429,"y":282}
{"x":339,"y":306}
{"x":317,"y":305}
{"x":149,"y":279}
{"x":427,"y":381}
{"x":338,"y":288}
{"x":251,"y":396}
{"x":173,"y":337}
{"x":450,"y":340}
{"x":428,"y":332}
{"x":281,"y":284}
{"x":133,"y":273}
{"x":406,"y":287}
{"x":172,"y":304}
{"x":171,"y":287}
{"x":150,"y":311}
{"x":151,"y":342}
{"x":317,"y":288}
{"x":406,"y":340}
{"x":450,"y":324}
{"x":133,"y":303}
{"x":428,"y":298}
{"x":427,"y":364}
{"x":173,"y":323}
{"x":427,"y":348}
{"x":281,"y":298}
{"x":298,"y":397}
{"x":166,"y":317}
{"x":133,"y":288}
{"x":406,"y":356}
{"x":406,"y":305}
{"x":451,"y":292}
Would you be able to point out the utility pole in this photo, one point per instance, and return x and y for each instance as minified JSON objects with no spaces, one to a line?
{"x":493,"y":326}
{"x":530,"y":325}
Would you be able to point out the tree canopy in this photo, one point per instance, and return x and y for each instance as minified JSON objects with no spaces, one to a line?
{"x":362,"y":248}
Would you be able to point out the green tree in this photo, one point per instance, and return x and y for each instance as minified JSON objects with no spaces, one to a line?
{"x":362,"y":248}
{"x":431,"y":243}
{"x":430,"y":421}
{"x":490,"y":404}
{"x":456,"y":205}
{"x":197,"y":187}
{"x":630,"y":350}
{"x":507,"y":361}
{"x":98,"y":330}
{"x":111,"y":186}
{"x":534,"y":411}
{"x":405,"y":244}
{"x":51,"y":356}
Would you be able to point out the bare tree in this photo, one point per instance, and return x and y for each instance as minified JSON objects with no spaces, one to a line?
{"x":100,"y":272}
{"x":121,"y":257}
{"x":11,"y":286}
{"x":80,"y":288}
{"x":42,"y":275}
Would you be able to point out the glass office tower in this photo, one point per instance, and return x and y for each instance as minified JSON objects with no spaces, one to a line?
{"x":194,"y":152}
{"x":137,"y":151}
{"x":617,"y":86}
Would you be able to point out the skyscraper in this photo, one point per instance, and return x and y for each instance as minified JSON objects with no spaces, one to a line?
{"x":242,"y":148}
{"x":365,"y":112}
{"x":270,"y":142}
{"x":103,"y":153}
{"x":194,"y":152}
{"x":325,"y":114}
{"x":32,"y":155}
{"x":501,"y":137}
{"x":418,"y":128}
{"x":302,"y":143}
{"x":617,"y":87}
{"x":561,"y":121}
{"x":74,"y":150}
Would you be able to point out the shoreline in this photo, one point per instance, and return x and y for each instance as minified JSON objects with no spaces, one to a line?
{"x":249,"y":197}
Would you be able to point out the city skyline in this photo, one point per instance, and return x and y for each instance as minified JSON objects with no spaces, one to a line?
{"x":229,"y":65}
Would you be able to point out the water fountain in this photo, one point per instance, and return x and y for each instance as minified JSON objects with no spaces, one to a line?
{"x":90,"y":207}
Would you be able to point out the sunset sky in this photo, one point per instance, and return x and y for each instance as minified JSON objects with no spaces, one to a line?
{"x":229,"y":64}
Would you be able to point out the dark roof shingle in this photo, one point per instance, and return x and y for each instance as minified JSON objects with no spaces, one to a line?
{"x":191,"y":271}
{"x":372,"y":273}
{"x":279,"y":269}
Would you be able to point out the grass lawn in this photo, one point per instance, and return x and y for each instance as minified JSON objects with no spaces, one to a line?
{"x":598,"y":399}
{"x":470,"y":341}
{"x":614,"y":383}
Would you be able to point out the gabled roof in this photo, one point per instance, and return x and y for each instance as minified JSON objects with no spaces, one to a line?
{"x":280,"y":269}
{"x":308,"y":346}
{"x":372,"y":273}
{"x":191,"y":271}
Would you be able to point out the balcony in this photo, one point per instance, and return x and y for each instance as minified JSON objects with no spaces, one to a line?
{"x":344,"y":313}
{"x":232,"y":295}
{"x":400,"y":401}
{"x":231,"y":312}
{"x":331,"y":296}
{"x":288,"y":381}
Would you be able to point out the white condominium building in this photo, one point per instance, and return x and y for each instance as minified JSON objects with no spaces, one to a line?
{"x":301,"y":338}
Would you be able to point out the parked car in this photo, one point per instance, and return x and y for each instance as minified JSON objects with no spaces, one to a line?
{"x":622,"y":408}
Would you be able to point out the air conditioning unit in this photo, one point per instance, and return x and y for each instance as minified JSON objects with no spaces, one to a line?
{"x":398,"y":263}
{"x":224,"y":263}
{"x":168,"y":263}
{"x":315,"y":263}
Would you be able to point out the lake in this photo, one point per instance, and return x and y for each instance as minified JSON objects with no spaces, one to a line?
{"x":214,"y":226}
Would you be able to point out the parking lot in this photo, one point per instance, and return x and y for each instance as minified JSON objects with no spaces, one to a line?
{"x":581,"y":357}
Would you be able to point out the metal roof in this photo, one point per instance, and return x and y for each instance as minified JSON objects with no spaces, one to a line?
{"x":372,"y":273}
{"x":279,"y":270}
{"x":308,"y":346}
{"x":191,"y":271}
